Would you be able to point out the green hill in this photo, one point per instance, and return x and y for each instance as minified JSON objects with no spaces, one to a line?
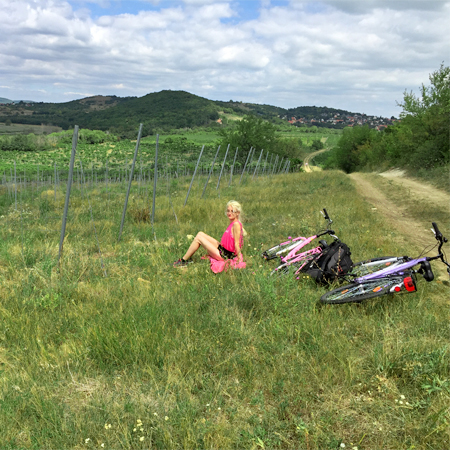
{"x":161,"y":111}
{"x":165,"y":109}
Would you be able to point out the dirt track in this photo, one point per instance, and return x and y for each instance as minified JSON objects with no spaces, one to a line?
{"x":397,"y":214}
{"x":307,"y":167}
{"x":422,"y":191}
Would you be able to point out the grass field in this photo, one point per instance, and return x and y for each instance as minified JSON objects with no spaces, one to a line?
{"x":152,"y":357}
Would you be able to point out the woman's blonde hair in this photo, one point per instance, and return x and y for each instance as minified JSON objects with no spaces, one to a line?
{"x":237,"y":208}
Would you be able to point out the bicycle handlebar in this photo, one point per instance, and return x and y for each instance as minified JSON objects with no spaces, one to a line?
{"x":438,"y":234}
{"x":323,"y":233}
{"x":325,"y":214}
{"x":442,"y":240}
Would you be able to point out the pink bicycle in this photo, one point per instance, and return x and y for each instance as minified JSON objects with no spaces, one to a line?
{"x":294,"y":262}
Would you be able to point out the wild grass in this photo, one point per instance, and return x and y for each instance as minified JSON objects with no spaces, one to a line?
{"x":153,"y":357}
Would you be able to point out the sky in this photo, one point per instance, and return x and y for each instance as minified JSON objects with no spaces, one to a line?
{"x":356,"y":55}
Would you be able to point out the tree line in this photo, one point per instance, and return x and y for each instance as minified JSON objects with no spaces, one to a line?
{"x":420,"y":140}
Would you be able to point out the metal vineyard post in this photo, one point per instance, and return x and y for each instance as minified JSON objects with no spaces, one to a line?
{"x":130,"y":181}
{"x":245,"y":165}
{"x":69,"y":185}
{"x":193,"y":176}
{"x":223,"y":164}
{"x":232,"y":167}
{"x":210,"y":172}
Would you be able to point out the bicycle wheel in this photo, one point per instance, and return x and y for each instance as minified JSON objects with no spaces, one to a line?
{"x":375,"y":264}
{"x":358,"y":292}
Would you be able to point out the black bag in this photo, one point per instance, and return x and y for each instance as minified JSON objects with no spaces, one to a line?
{"x":332,"y":263}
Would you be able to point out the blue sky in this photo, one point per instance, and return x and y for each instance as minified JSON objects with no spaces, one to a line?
{"x":355,"y":55}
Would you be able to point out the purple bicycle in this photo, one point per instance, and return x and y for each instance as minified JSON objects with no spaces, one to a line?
{"x":399,"y":277}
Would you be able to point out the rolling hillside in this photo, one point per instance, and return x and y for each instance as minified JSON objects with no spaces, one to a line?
{"x":163,"y":110}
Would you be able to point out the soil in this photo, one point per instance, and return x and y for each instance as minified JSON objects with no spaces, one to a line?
{"x":421,"y":191}
{"x":398,"y":215}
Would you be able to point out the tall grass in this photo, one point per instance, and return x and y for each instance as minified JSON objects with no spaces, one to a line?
{"x":153,"y":357}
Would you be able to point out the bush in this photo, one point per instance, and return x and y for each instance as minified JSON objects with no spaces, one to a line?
{"x":19,"y":143}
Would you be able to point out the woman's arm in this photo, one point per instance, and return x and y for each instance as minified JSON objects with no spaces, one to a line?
{"x":236,"y":232}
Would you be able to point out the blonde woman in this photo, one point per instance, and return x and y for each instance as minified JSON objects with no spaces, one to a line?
{"x":228,"y":248}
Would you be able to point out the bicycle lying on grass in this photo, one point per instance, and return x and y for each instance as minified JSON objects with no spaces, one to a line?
{"x":398,"y":276}
{"x":295,"y":262}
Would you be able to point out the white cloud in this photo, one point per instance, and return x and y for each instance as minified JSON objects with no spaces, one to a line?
{"x":350,"y":55}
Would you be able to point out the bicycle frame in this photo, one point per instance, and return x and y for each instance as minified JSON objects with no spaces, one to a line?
{"x":391,"y":270}
{"x":304,"y":256}
{"x":294,"y":257}
{"x":396,"y":278}
{"x":292,"y":254}
{"x":399,"y":269}
{"x":291,"y":244}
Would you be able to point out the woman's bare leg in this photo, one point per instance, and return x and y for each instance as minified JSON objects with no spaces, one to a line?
{"x":207,"y":242}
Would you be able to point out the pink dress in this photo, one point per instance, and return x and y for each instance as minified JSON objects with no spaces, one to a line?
{"x":227,"y":242}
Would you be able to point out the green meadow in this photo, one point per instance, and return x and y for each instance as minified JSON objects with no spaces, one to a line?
{"x":113,"y":348}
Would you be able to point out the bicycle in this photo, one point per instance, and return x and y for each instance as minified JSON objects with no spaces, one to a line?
{"x":398,"y":277}
{"x":375,"y":264}
{"x":295,"y":261}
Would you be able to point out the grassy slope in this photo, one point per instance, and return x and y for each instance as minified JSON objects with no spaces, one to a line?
{"x":236,"y":360}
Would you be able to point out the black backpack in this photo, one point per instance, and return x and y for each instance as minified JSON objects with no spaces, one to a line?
{"x":332,"y":263}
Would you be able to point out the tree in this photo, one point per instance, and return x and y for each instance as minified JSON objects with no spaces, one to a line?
{"x":436,"y":96}
{"x":428,"y":117}
{"x":251,"y":131}
{"x":353,"y":146}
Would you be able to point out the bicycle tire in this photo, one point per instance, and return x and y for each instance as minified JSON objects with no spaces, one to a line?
{"x":357,"y":292}
{"x":368,"y":266}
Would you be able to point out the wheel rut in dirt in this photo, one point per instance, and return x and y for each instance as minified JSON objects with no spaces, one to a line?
{"x":417,"y":231}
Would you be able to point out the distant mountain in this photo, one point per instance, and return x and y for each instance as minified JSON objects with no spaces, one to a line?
{"x":7,"y":100}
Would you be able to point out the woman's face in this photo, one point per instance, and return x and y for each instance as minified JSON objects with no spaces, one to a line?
{"x":231,"y":214}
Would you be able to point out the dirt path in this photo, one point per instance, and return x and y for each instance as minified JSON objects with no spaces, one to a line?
{"x":420,"y":191}
{"x":396,"y":214}
{"x":307,"y":167}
